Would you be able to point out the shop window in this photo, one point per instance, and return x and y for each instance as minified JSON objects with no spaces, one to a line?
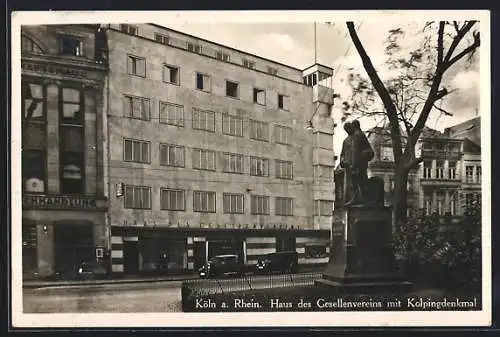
{"x":29,"y":251}
{"x":316,"y":251}
{"x":285,"y":244}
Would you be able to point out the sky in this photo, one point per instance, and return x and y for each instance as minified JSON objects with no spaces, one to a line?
{"x":292,"y":43}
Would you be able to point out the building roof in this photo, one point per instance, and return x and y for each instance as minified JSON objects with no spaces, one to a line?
{"x":470,"y":129}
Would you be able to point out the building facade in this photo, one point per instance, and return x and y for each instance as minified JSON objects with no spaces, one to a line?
{"x":207,"y":153}
{"x":63,"y":218}
{"x":449,"y":176}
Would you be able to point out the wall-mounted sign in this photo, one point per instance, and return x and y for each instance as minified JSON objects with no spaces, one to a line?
{"x":53,"y":69}
{"x":62,"y":202}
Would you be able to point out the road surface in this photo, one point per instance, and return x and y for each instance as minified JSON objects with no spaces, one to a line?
{"x":139,"y":297}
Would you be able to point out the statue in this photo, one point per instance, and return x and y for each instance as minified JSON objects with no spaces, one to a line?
{"x":356,"y":153}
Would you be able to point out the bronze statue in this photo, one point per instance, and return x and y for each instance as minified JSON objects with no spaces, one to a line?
{"x":356,"y":153}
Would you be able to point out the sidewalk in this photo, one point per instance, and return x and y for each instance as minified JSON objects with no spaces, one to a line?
{"x":145,"y":279}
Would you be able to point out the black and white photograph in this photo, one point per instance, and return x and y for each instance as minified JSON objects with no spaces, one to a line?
{"x":272,"y":168}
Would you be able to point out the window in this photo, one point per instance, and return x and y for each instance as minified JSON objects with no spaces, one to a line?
{"x":283,"y":135}
{"x":478,"y":174}
{"x":454,"y":203}
{"x":128,"y":29}
{"x":259,"y":130}
{"x":204,"y":201}
{"x":284,"y":169}
{"x":386,"y":154}
{"x":136,"y":151}
{"x":391,"y":184}
{"x":29,"y":46}
{"x":323,"y":207}
{"x":439,"y":170}
{"x":283,"y":102}
{"x":137,"y":197}
{"x":469,"y":174}
{"x":427,"y":170}
{"x":323,"y":172}
{"x":316,"y":251}
{"x":232,"y":163}
{"x":136,"y":107}
{"x":409,"y":184}
{"x":172,"y":114}
{"x":72,"y":141}
{"x":259,"y":205}
{"x":70,"y":45}
{"x":203,"y":120}
{"x":172,"y":200}
{"x":469,"y":200}
{"x":232,"y":125}
{"x":171,"y":74}
{"x":234,"y":203}
{"x":162,"y":38}
{"x":248,"y":63}
{"x":440,"y":203}
{"x":232,"y":89}
{"x":172,"y":155}
{"x":283,"y":206}
{"x":259,"y":167}
{"x":259,"y":96}
{"x":452,"y":170}
{"x":272,"y":71}
{"x":203,"y":159}
{"x":33,"y":103}
{"x":193,"y":47}
{"x":136,"y":65}
{"x":203,"y":82}
{"x":33,"y":170}
{"x":220,"y":55}
{"x":428,"y":204}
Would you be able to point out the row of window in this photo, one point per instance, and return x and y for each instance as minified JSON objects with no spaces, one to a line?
{"x":173,"y":114}
{"x":470,"y":173}
{"x":139,"y":197}
{"x":202,"y":159}
{"x":196,"y":48}
{"x":136,"y":66}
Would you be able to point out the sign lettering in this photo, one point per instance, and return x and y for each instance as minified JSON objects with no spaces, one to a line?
{"x":58,"y":202}
{"x":53,"y":69}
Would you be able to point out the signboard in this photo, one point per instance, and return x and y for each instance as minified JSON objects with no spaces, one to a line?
{"x":63,"y":202}
{"x":53,"y":69}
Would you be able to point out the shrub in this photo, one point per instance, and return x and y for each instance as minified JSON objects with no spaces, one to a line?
{"x":442,"y":254}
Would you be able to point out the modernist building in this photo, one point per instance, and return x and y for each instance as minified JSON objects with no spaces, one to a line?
{"x":208,"y":153}
{"x":63,"y":218}
{"x":449,"y":176}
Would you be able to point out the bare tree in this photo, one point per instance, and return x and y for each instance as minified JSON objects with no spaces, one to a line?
{"x":414,"y":91}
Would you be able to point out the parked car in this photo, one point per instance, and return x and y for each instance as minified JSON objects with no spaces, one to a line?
{"x":222,"y":265}
{"x":283,"y":262}
{"x":87,"y":271}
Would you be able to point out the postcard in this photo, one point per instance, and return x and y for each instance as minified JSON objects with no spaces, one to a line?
{"x":250,"y":169}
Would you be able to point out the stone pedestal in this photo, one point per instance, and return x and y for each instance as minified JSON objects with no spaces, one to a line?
{"x":362,"y":257}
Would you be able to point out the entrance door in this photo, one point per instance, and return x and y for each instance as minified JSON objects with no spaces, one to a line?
{"x":73,"y":245}
{"x":199,"y":254}
{"x":130,"y":257}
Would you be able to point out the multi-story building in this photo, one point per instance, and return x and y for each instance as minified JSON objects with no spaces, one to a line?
{"x":208,"y":152}
{"x":63,"y":210}
{"x":449,"y":175}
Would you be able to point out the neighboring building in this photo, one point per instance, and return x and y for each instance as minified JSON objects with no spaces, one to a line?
{"x":208,"y":153}
{"x":63,"y":218}
{"x":449,"y":175}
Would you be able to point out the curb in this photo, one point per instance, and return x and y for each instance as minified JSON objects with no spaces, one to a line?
{"x":62,"y":284}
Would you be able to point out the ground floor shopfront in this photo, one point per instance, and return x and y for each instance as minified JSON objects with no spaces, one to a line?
{"x":59,"y":233}
{"x":147,"y":250}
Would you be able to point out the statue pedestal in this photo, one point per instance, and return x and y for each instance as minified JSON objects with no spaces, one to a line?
{"x":362,"y":256}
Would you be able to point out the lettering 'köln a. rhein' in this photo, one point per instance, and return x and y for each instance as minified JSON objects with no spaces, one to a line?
{"x":321,"y":165}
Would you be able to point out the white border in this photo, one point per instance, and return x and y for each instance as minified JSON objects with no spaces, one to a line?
{"x":306,"y":319}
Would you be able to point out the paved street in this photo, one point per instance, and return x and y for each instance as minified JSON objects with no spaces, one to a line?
{"x":147,"y":297}
{"x":142,"y":296}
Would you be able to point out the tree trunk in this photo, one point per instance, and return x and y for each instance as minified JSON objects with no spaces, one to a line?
{"x":400,"y":201}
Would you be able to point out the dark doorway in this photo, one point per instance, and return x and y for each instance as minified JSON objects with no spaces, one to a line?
{"x":130,"y":257}
{"x":73,"y":245}
{"x":199,"y":254}
{"x":285,"y":244}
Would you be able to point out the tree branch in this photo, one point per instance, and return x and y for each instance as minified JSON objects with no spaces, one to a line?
{"x":442,"y":110}
{"x":469,"y":49}
{"x":440,"y":42}
{"x":456,"y":40}
{"x":381,"y":89}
